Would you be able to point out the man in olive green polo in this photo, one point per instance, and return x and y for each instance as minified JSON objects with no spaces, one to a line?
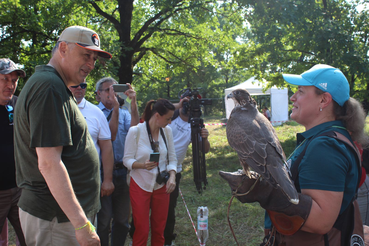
{"x":56,"y":162}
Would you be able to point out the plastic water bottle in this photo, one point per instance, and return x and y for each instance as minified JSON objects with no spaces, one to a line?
{"x":202,"y":224}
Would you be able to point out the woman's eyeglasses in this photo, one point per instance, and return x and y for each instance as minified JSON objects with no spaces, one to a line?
{"x":10,"y":109}
{"x":82,"y":85}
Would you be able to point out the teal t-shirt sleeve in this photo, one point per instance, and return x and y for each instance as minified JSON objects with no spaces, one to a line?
{"x":324,"y":166}
{"x":49,"y":124}
{"x":267,"y":221}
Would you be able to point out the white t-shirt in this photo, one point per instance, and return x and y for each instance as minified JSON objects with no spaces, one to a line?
{"x":97,"y":124}
{"x":182,"y":138}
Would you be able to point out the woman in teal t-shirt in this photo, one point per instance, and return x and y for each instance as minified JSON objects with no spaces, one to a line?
{"x":325,"y":170}
{"x":329,"y":170}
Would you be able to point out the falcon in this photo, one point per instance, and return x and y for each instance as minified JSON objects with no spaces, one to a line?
{"x":254,"y":139}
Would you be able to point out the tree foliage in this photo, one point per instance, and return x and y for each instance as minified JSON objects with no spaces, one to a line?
{"x":163,"y":46}
{"x":26,"y":35}
{"x":292,"y":36}
{"x":185,"y":42}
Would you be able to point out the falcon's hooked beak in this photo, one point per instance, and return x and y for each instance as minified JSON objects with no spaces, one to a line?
{"x":235,"y":100}
{"x":230,"y":95}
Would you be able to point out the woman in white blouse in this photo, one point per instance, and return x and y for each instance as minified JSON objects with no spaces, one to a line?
{"x":146,"y":191}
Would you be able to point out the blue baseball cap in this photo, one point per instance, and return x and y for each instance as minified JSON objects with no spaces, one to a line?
{"x":327,"y":78}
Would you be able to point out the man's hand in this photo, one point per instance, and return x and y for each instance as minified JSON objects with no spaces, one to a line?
{"x":204,"y":133}
{"x":107,"y":158}
{"x":107,"y":188}
{"x":130,"y":93}
{"x":113,"y":97}
{"x":185,"y":99}
{"x":87,"y":237}
{"x":180,"y":103}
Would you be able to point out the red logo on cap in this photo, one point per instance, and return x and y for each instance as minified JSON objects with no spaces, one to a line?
{"x":95,"y":39}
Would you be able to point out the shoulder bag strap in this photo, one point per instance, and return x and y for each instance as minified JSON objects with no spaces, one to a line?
{"x":138,"y":135}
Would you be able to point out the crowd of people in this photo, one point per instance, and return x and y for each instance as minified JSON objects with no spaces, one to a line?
{"x":67,"y":183}
{"x":79,"y":171}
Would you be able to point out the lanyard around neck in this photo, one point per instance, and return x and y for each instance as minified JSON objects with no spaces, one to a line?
{"x":153,"y":144}
{"x":150,"y":137}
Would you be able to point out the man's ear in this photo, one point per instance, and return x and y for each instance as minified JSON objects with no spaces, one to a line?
{"x":63,"y":48}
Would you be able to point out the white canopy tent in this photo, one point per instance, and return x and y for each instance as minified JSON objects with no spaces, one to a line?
{"x":278,"y":99}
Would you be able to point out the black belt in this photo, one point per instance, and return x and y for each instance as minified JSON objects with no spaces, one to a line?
{"x":119,"y":165}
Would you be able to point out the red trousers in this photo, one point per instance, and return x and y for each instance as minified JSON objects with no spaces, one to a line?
{"x":142,"y":201}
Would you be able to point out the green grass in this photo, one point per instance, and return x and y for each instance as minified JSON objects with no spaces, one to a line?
{"x":246,"y":219}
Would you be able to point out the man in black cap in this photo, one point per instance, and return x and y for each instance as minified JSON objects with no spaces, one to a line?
{"x":9,"y":192}
{"x":57,"y":165}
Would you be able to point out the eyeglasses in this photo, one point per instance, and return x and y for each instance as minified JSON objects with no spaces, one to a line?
{"x":82,"y":85}
{"x":10,"y":109}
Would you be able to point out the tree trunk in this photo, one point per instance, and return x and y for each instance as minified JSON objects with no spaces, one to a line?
{"x":124,"y":30}
{"x":126,"y":70}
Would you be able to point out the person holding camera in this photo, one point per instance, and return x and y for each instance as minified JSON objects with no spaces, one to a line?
{"x":181,"y":129}
{"x":152,"y":181}
{"x":113,"y":217}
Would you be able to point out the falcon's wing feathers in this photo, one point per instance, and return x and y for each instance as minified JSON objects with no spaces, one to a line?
{"x":272,"y":138}
{"x":244,"y":142}
{"x":249,"y":138}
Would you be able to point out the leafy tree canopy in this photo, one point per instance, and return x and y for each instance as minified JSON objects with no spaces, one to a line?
{"x":292,"y":36}
{"x":164,"y":46}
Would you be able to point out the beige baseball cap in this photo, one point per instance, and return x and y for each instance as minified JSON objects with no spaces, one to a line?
{"x":85,"y":38}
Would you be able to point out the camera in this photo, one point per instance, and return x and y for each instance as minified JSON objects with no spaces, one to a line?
{"x":194,"y":104}
{"x":120,"y":87}
{"x":162,"y":177}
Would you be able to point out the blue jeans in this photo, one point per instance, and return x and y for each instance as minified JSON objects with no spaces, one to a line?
{"x":116,"y":207}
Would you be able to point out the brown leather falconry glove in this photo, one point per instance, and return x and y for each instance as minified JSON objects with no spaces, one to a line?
{"x":287,"y":217}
